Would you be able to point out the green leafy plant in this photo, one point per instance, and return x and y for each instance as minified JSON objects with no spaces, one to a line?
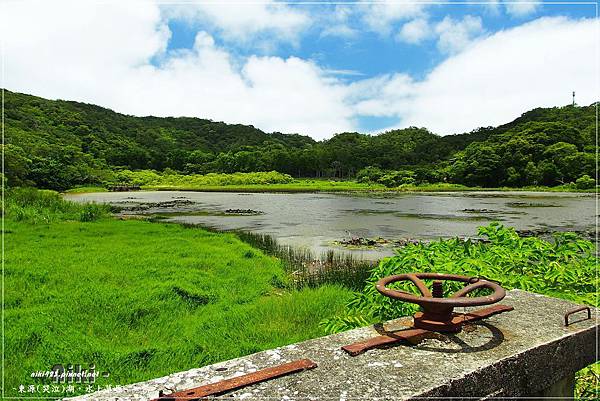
{"x":563,"y":267}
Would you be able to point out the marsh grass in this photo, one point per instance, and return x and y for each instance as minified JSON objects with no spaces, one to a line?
{"x":306,"y":269}
{"x":43,"y":206}
{"x":140,"y":299}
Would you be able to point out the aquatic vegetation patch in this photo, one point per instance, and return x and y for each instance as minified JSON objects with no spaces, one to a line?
{"x":428,"y":216}
{"x":362,"y":243}
{"x":530,"y":204}
{"x":306,"y":269}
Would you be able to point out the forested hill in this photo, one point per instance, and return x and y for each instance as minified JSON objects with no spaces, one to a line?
{"x":60,"y":144}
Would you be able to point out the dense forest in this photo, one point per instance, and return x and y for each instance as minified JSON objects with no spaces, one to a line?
{"x":61,"y":144}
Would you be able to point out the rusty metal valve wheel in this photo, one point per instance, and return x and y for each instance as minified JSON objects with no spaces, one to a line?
{"x":437,"y":312}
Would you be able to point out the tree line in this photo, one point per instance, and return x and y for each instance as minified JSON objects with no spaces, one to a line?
{"x":62,"y":144}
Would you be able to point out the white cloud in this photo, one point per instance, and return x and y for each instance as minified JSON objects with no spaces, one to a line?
{"x":337,"y":23}
{"x":350,"y":21}
{"x":521,"y":8}
{"x":245,"y":21}
{"x":456,"y":35}
{"x":452,"y":35}
{"x":101,"y":53}
{"x":72,"y":49}
{"x":382,"y":96}
{"x":415,"y":31}
{"x":498,"y":78}
{"x":380,"y":17}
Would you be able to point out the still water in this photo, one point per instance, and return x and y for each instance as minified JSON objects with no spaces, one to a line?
{"x":316,"y":221}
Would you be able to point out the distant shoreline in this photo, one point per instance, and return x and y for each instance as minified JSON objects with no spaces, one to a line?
{"x":342,"y":186}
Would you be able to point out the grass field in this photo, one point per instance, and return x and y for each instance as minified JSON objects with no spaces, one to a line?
{"x":82,"y":190}
{"x":142,"y":299}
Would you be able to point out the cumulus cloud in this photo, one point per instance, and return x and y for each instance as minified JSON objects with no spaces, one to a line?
{"x":74,"y":49}
{"x":455,"y":35}
{"x":452,"y":35}
{"x":380,"y":17}
{"x":521,"y":8}
{"x":499,"y":77}
{"x":102,"y":53}
{"x":106,"y":53}
{"x":383,"y":96}
{"x":415,"y":31}
{"x":337,"y":23}
{"x":245,"y":21}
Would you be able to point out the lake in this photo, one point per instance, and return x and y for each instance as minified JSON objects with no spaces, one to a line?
{"x":318,"y":221}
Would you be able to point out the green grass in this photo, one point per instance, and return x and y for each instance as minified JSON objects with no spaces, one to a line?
{"x":295,"y":186}
{"x":277,"y":182}
{"x":307,"y":185}
{"x":142,"y":299}
{"x":86,"y":189}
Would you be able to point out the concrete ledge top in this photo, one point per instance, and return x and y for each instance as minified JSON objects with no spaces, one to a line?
{"x":511,"y":354}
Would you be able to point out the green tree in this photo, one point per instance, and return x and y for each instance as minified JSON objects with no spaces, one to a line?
{"x":16,"y":165}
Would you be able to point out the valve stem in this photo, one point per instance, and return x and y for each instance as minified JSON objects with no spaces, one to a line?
{"x":437,"y":289}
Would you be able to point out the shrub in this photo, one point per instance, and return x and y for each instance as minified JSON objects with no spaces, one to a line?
{"x":396,"y":178}
{"x":369,"y":174}
{"x":564,"y":267}
{"x":211,"y":179}
{"x":585,"y":182}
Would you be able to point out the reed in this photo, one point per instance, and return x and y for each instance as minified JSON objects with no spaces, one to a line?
{"x":306,"y":269}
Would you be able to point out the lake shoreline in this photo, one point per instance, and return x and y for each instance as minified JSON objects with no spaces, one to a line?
{"x":300,"y":189}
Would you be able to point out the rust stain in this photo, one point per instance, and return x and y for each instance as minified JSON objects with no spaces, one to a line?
{"x":387,"y":339}
{"x":235,"y":383}
{"x":416,"y":335}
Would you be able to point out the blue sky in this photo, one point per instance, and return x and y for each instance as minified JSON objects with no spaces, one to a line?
{"x":371,"y":53}
{"x":315,"y":69}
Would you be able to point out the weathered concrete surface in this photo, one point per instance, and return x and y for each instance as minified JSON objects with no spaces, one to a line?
{"x":518,"y":353}
{"x":562,"y":389}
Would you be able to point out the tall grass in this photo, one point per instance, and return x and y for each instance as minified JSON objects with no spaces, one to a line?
{"x":43,"y":206}
{"x":306,"y":269}
{"x":140,"y":299}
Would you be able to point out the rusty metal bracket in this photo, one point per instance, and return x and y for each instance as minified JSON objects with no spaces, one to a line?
{"x":239,"y":382}
{"x":394,"y":337}
{"x":573,"y":311}
{"x":414,"y":335}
